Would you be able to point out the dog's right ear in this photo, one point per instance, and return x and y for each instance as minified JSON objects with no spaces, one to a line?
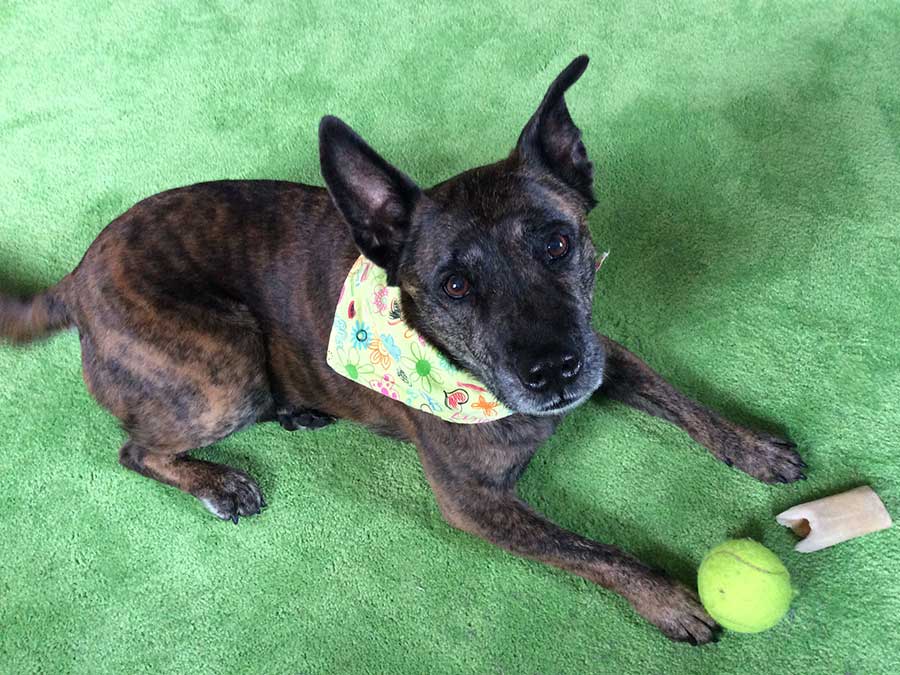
{"x":375,"y":199}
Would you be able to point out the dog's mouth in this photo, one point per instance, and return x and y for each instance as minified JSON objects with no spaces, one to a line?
{"x":567,"y":401}
{"x":563,"y":404}
{"x":558,"y":396}
{"x":558,"y":403}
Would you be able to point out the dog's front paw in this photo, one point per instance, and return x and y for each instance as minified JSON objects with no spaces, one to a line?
{"x":232,"y":494}
{"x":303,"y":418}
{"x":676,"y":611}
{"x":765,"y":457}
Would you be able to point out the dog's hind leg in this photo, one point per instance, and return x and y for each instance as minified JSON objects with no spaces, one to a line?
{"x":629,"y":380}
{"x":181,"y":387}
{"x":165,"y":424}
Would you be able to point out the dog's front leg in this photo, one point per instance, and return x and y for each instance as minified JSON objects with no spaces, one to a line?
{"x":496,"y":514}
{"x":629,"y":380}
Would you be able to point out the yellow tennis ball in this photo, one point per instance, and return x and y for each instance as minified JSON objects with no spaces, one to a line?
{"x":744,"y":586}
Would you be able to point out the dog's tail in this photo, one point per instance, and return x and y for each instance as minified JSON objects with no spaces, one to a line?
{"x":26,"y":319}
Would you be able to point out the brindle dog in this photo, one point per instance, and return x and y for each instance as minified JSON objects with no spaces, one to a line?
{"x":206,"y":309}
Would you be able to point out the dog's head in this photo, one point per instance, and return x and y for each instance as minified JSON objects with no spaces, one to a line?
{"x":495,"y":265}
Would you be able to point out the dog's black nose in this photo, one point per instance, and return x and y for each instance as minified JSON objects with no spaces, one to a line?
{"x":552,"y":369}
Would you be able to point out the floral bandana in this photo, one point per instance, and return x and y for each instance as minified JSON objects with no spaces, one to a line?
{"x":371,"y":345}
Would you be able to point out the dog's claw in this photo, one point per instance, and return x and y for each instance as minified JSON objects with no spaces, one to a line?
{"x":690,"y":638}
{"x":676,"y":610}
{"x":234,"y":519}
{"x":766,"y":458}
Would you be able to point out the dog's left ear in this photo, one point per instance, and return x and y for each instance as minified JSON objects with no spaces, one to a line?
{"x":551,"y":140}
{"x":376,"y":199}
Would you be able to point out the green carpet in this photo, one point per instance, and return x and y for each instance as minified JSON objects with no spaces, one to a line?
{"x":748,"y":161}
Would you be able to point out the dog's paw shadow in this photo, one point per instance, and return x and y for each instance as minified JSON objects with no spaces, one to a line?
{"x":589,"y":519}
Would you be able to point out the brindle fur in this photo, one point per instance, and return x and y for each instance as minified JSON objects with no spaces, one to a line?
{"x":206,"y":309}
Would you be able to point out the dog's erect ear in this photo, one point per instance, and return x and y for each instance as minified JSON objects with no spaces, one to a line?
{"x":376,"y":199}
{"x":551,"y":140}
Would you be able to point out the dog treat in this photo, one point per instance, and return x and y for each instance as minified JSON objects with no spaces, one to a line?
{"x":831,"y":520}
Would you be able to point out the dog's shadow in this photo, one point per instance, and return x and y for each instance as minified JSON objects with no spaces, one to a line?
{"x":690,"y":190}
{"x":19,"y":279}
{"x":25,"y":273}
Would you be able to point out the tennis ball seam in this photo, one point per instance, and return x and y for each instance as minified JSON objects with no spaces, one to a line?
{"x":749,"y":564}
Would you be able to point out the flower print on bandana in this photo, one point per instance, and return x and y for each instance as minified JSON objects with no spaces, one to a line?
{"x":361,"y":336}
{"x":385,"y":385}
{"x":395,"y":315}
{"x":433,"y":406}
{"x":391,"y":346}
{"x":456,"y":399}
{"x":487,"y":407}
{"x":380,"y":299}
{"x":422,"y":368}
{"x":443,"y":362}
{"x":353,"y":367}
{"x":378,"y":354}
{"x":340,"y":326}
{"x":372,"y":345}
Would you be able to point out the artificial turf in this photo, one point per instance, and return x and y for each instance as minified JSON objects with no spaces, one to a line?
{"x":748,"y":161}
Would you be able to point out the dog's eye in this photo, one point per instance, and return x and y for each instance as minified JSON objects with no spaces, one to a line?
{"x":457,"y":286}
{"x":557,"y":246}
